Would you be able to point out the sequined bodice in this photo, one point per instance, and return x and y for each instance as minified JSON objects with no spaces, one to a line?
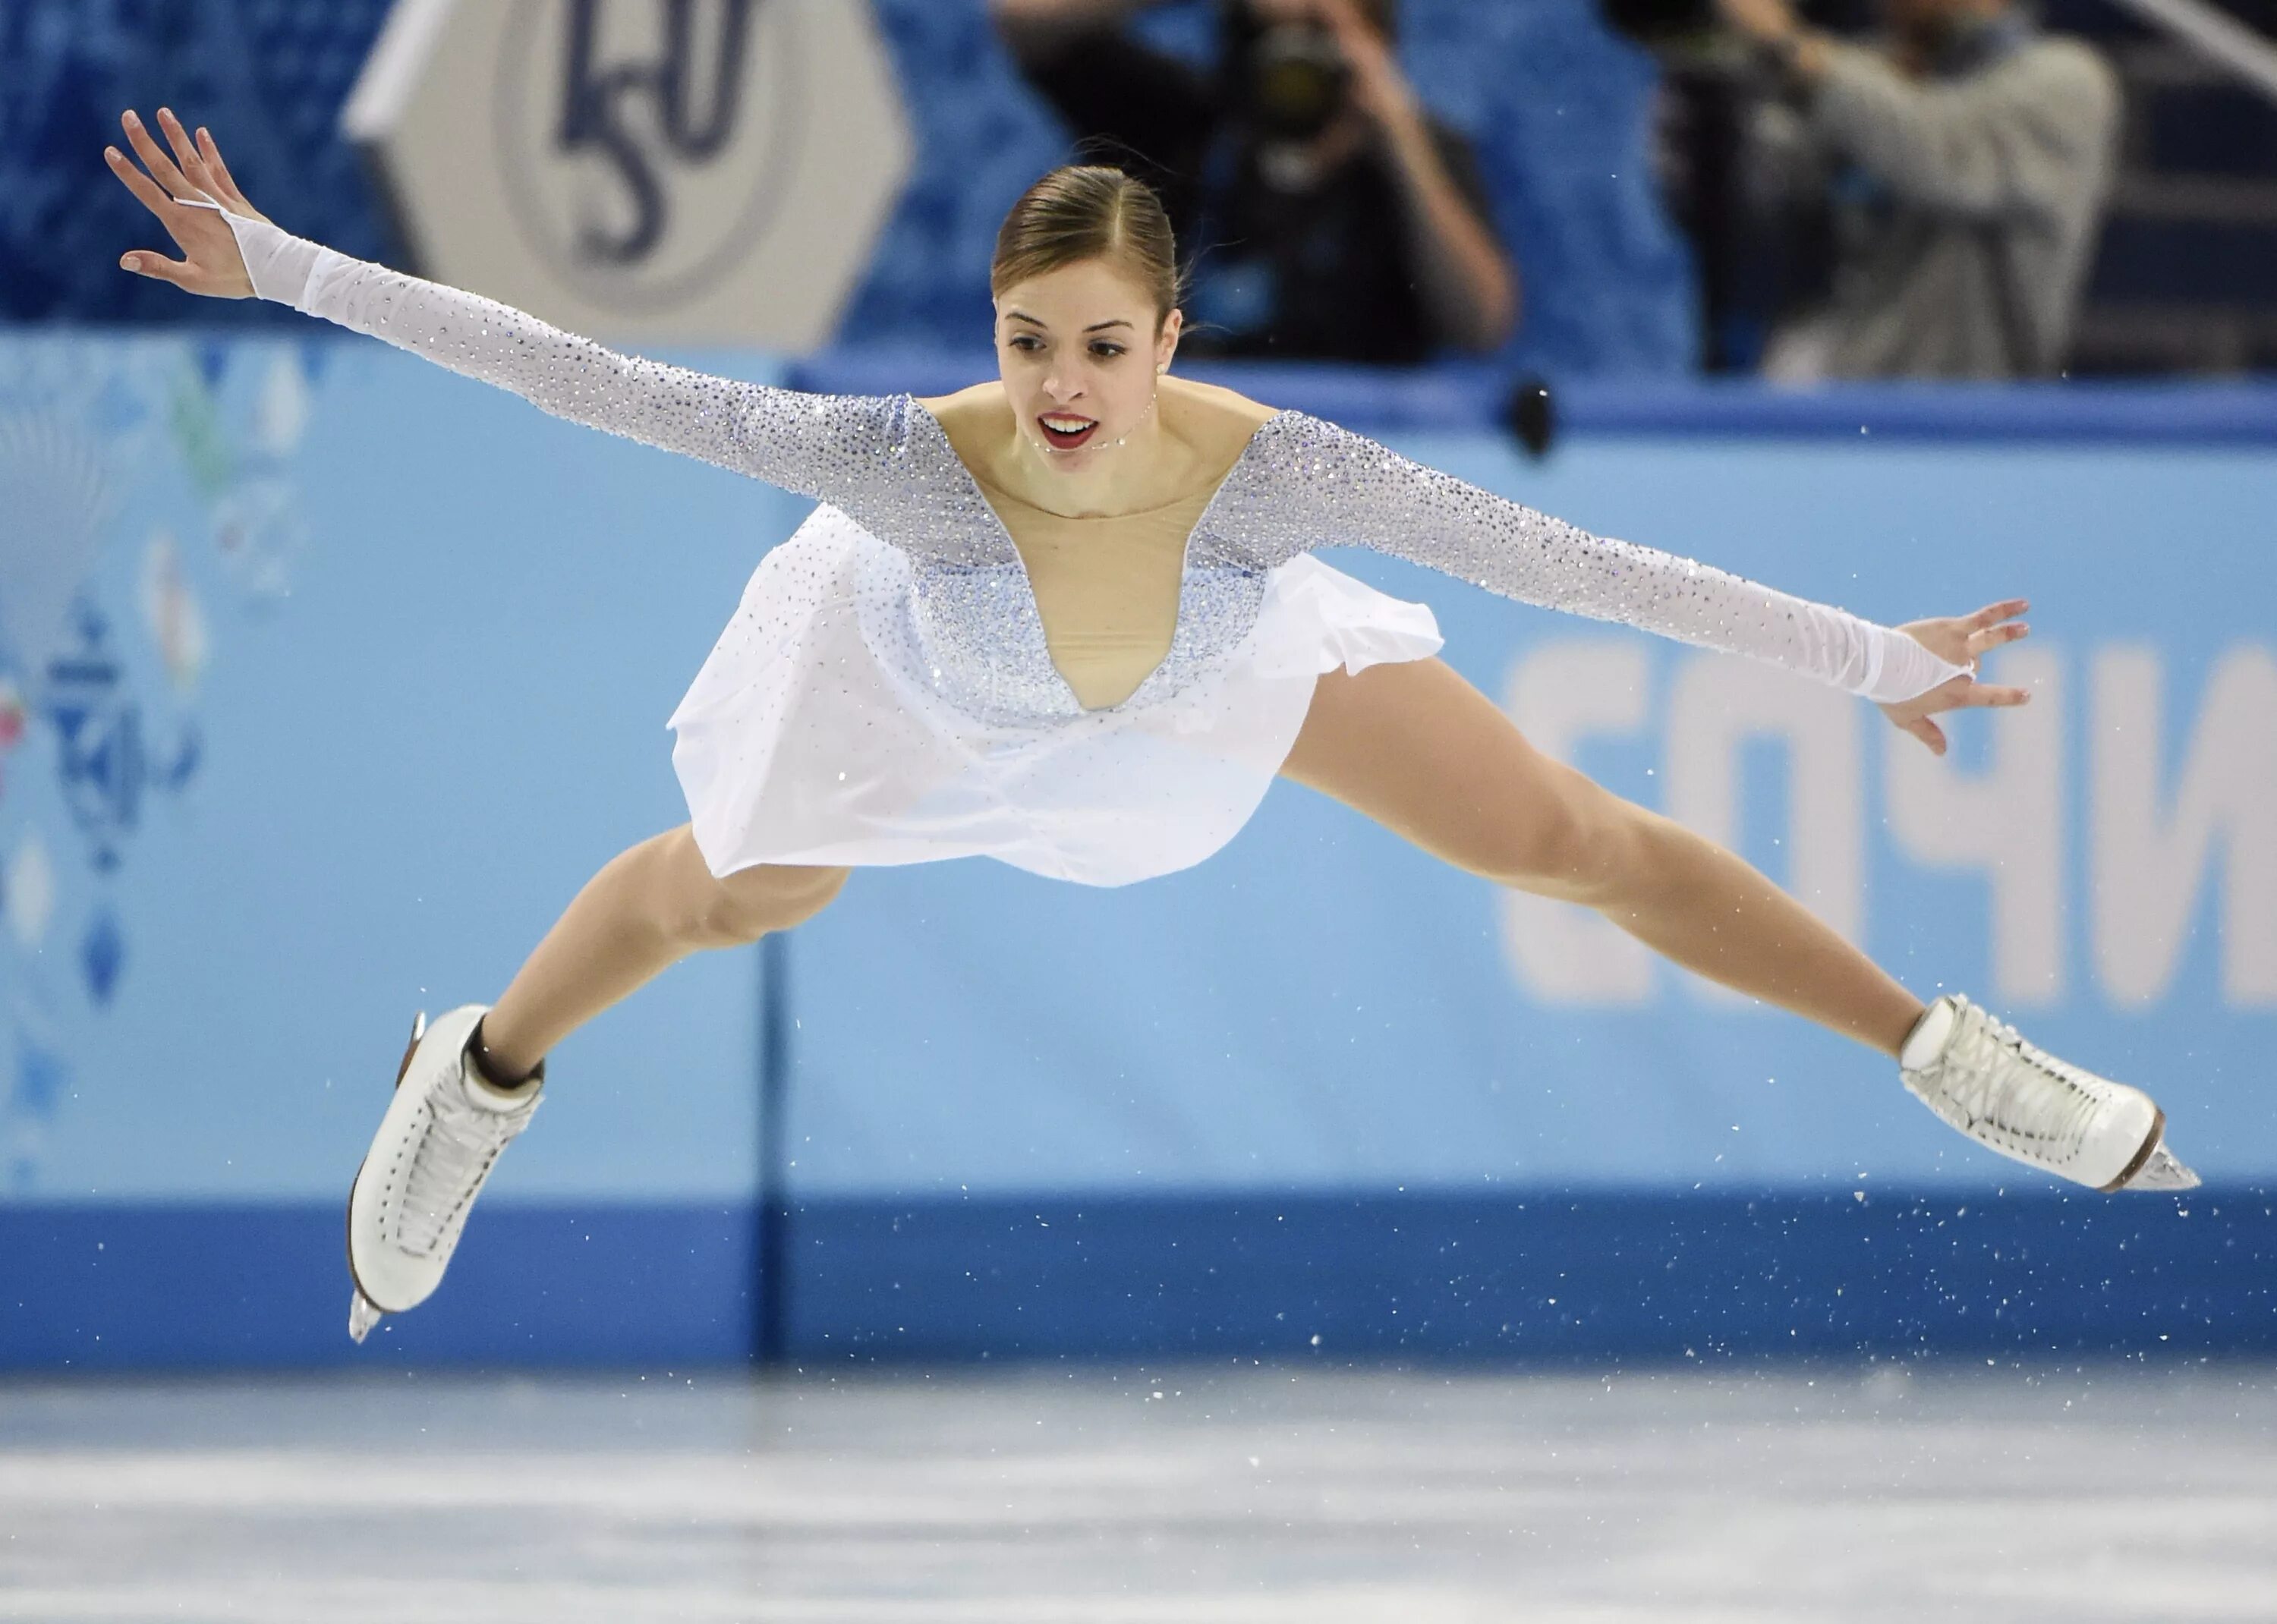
{"x":975,"y":609}
{"x":886,"y":463}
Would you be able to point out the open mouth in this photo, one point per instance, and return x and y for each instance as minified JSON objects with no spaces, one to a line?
{"x":1063,"y":431}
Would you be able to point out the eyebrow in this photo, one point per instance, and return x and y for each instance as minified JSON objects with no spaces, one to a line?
{"x":1022,"y":315}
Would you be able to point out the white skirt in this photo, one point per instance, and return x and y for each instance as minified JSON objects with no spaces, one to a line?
{"x":801,"y":742}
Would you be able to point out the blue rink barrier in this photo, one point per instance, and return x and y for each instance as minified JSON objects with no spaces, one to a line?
{"x":326,"y":736}
{"x":1461,"y":397}
{"x":193,"y":1285}
{"x":1642,"y":1277}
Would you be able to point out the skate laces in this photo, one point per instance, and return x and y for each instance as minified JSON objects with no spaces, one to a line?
{"x":455,"y":1155}
{"x":2008,"y":1086}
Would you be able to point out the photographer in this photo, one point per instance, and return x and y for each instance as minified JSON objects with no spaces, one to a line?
{"x":1335,"y":217}
{"x":1966,"y":160}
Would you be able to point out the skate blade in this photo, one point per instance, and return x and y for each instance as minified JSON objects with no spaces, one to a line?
{"x":418,"y":1031}
{"x":2163,"y":1172}
{"x":362,"y":1316}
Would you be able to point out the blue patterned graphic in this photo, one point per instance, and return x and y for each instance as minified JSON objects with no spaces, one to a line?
{"x":99,"y":738}
{"x":145,"y":492}
{"x":101,"y":954}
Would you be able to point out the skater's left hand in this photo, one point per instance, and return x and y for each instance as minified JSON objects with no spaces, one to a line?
{"x":1960,"y":640}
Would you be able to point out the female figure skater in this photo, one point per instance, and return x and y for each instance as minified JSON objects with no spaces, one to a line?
{"x":1068,"y":620}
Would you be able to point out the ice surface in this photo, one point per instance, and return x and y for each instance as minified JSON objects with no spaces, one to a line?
{"x":1249,"y":1493}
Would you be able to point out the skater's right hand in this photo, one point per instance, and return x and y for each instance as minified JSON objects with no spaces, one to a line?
{"x":211,"y":263}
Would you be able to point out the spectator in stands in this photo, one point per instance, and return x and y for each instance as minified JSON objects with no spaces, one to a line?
{"x":1335,"y":216}
{"x":1967,"y":159}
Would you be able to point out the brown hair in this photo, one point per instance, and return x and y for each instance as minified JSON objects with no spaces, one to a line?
{"x":1089,"y":211}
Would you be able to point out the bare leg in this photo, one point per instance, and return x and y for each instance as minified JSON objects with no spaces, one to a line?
{"x":1425,"y":754}
{"x":651,"y":907}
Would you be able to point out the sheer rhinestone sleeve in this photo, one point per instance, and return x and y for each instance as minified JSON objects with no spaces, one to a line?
{"x":1322,"y":486}
{"x":838,"y":448}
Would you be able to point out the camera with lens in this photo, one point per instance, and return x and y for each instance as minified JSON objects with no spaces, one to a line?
{"x":1298,"y":78}
{"x":1288,"y":73}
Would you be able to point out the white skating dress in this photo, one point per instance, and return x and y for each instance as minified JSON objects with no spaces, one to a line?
{"x":884,"y":694}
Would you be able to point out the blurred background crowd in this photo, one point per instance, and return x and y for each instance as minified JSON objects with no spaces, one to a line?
{"x":1804,"y":188}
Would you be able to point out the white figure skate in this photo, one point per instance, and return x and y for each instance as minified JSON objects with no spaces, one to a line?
{"x":443,"y":1132}
{"x":2003,"y":1092}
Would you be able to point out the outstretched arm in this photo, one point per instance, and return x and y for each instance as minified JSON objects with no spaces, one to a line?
{"x":1356,"y":492}
{"x":817,"y":446}
{"x":1468,"y":282}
